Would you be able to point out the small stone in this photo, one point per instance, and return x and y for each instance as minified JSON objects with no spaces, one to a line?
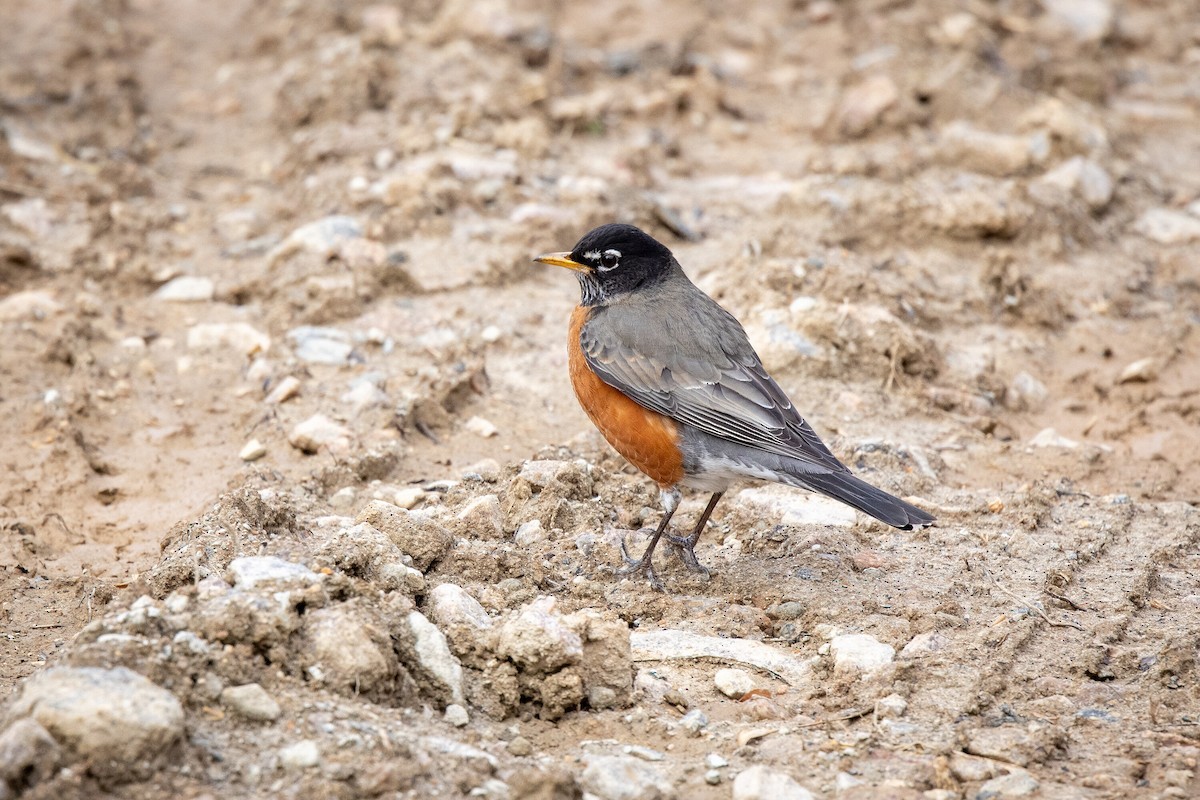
{"x":868,"y":559}
{"x":694,"y":722}
{"x":624,"y":778}
{"x":323,"y":237}
{"x":715,"y":761}
{"x":409,"y":497}
{"x":345,"y":651}
{"x":482,"y":517}
{"x":285,"y":390}
{"x":1015,"y":784}
{"x":859,"y":652}
{"x":249,"y":572}
{"x":760,"y":783}
{"x":491,"y":334}
{"x":1143,"y":370}
{"x":925,"y":644}
{"x":320,"y":345}
{"x":414,"y":532}
{"x":891,"y":707}
{"x":343,"y":499}
{"x":520,"y":747}
{"x":237,"y":336}
{"x":319,"y":431}
{"x":433,"y":653}
{"x":1086,"y":20}
{"x":864,"y":104}
{"x":712,"y":777}
{"x":28,"y":756}
{"x":983,"y":151}
{"x":28,"y":306}
{"x":487,"y":469}
{"x":789,"y":610}
{"x":1166,"y":226}
{"x":252,"y":702}
{"x":733,"y":683}
{"x":301,"y":755}
{"x":1048,"y":437}
{"x":481,"y":427}
{"x":644,"y":753}
{"x":252,"y":450}
{"x":363,"y":397}
{"x":113,"y":718}
{"x":460,"y":616}
{"x":186,"y":289}
{"x":537,"y":638}
{"x":969,"y":769}
{"x":530,"y":533}
{"x":457,"y":716}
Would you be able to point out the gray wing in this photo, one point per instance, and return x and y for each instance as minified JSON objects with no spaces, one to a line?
{"x":714,"y":382}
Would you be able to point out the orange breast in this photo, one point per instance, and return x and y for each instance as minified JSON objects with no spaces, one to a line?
{"x":646,"y":438}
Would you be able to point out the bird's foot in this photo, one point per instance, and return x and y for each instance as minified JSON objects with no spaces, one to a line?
{"x":644,"y":565}
{"x":685,"y":548}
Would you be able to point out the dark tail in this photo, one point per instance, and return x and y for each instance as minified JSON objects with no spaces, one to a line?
{"x":866,"y":498}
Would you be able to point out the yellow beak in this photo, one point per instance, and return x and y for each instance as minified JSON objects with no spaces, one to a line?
{"x":563,"y":260}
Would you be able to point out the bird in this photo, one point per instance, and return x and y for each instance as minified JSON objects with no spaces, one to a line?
{"x":671,"y":380}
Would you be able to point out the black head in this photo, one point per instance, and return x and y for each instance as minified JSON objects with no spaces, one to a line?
{"x":614,"y":260}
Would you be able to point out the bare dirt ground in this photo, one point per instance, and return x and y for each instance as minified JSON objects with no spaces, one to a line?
{"x":964,"y":236}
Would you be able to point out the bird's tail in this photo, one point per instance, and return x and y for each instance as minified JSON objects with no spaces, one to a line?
{"x":866,"y":498}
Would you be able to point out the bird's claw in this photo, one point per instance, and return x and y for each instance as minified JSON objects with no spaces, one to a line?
{"x":644,"y":565}
{"x":685,"y":548}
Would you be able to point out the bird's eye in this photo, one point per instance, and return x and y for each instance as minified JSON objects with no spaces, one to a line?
{"x":609,"y":259}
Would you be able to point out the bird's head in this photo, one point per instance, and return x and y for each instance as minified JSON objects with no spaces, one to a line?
{"x":613,"y":260}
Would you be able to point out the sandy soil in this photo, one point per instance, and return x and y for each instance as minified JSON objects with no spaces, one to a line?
{"x":965,"y":237}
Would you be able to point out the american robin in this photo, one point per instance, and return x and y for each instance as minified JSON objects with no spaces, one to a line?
{"x":670,"y":379}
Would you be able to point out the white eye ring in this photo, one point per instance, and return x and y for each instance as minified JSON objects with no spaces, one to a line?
{"x":609,"y":259}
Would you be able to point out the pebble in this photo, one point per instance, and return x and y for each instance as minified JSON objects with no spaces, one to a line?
{"x":536,"y":637}
{"x":251,"y":701}
{"x":644,"y":753}
{"x":483,"y":517}
{"x":249,"y":572}
{"x":864,"y":104}
{"x":990,"y":153}
{"x":672,"y":645}
{"x":186,"y":289}
{"x":238,"y":336}
{"x":733,"y":683}
{"x":694,"y":722}
{"x":457,"y":716}
{"x":342,"y":652}
{"x":285,"y":390}
{"x":343,"y":499}
{"x":520,"y":746}
{"x":1143,"y":370}
{"x":1084,"y":177}
{"x":788,"y":610}
{"x":530,"y":533}
{"x":1026,"y":393}
{"x":28,"y":306}
{"x":1015,"y":784}
{"x":363,"y":397}
{"x":301,"y":755}
{"x":319,"y":431}
{"x":491,"y":334}
{"x":455,"y":611}
{"x":28,"y":756}
{"x":1166,"y":226}
{"x":322,"y":237}
{"x":110,"y":717}
{"x":414,"y":532}
{"x":624,"y":778}
{"x":891,"y":707}
{"x":321,"y":345}
{"x":859,"y":652}
{"x":715,"y":761}
{"x":760,"y":783}
{"x":712,"y":777}
{"x":1048,"y":437}
{"x":1086,"y":20}
{"x":785,"y":506}
{"x":408,"y":497}
{"x":481,"y":427}
{"x":252,"y":450}
{"x":433,"y":653}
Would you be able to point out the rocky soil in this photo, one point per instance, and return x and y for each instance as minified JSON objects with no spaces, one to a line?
{"x":296,"y":501}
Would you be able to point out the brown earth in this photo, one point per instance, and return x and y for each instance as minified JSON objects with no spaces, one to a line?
{"x":965,"y":238}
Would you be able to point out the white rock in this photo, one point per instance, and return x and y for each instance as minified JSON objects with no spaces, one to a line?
{"x":238,"y":336}
{"x":186,"y":289}
{"x":324,"y":237}
{"x":859,"y":652}
{"x":760,"y":783}
{"x":451,"y":606}
{"x":538,"y":638}
{"x":675,"y":645}
{"x":483,"y":517}
{"x":363,"y":397}
{"x":301,"y":755}
{"x":715,"y":761}
{"x":251,"y":701}
{"x":434,"y":654}
{"x":345,"y":651}
{"x":984,"y":151}
{"x":1017,"y":783}
{"x":32,"y":214}
{"x":1166,"y":226}
{"x":1081,"y":176}
{"x":28,"y":755}
{"x":481,"y":427}
{"x":624,"y":778}
{"x":491,"y":334}
{"x":408,"y":497}
{"x":786,"y":506}
{"x":248,"y":572}
{"x":457,"y":716}
{"x":1048,"y":437}
{"x":925,"y":644}
{"x":343,"y":499}
{"x":320,"y":345}
{"x":28,"y":306}
{"x":733,"y":683}
{"x":106,"y":716}
{"x":864,"y":104}
{"x":1026,"y":393}
{"x":530,"y":533}
{"x":253,"y":450}
{"x":1086,"y":20}
{"x":1141,"y":371}
{"x":285,"y":390}
{"x":319,"y":431}
{"x":891,"y":707}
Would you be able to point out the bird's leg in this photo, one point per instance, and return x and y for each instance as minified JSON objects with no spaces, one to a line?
{"x":686,"y":545}
{"x":670,"y":501}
